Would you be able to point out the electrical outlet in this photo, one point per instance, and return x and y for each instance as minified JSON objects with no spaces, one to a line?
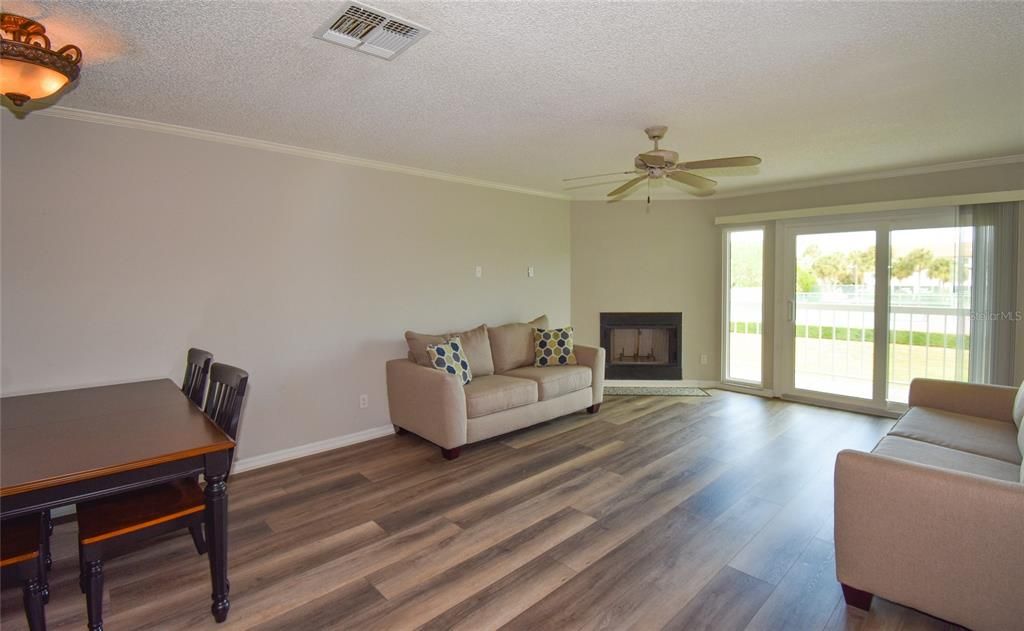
{"x":479,"y":271}
{"x":364,"y":401}
{"x":703,"y":359}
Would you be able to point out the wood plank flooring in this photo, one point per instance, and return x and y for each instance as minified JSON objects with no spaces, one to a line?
{"x":658,"y":512}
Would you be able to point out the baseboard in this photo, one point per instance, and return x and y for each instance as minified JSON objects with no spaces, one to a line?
{"x":283,"y":455}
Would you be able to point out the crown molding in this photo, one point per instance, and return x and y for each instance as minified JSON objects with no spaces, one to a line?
{"x":874,"y":207}
{"x":831,"y":181}
{"x":266,"y":145}
{"x":876,"y":175}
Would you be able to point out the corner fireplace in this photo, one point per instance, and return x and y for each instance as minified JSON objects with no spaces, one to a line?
{"x":642,"y":345}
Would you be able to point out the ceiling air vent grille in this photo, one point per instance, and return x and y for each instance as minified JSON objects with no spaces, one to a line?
{"x":371,"y":31}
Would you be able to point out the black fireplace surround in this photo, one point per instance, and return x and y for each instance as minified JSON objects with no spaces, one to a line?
{"x":619,"y":364}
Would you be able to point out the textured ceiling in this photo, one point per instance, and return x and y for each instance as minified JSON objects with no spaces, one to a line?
{"x":529,"y":93}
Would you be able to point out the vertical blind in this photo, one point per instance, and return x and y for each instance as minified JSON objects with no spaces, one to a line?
{"x":992,"y":232}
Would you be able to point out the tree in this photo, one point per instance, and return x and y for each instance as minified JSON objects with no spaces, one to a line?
{"x":914,"y":262}
{"x":862,"y":262}
{"x":941,"y":270}
{"x":806,"y":283}
{"x":811,"y":252}
{"x":746,"y":265}
{"x":830,"y":267}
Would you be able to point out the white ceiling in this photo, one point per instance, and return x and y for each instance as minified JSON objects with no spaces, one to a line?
{"x":529,"y":93}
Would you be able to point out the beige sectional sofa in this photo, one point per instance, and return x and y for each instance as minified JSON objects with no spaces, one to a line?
{"x":933,"y":517}
{"x":506,"y":393}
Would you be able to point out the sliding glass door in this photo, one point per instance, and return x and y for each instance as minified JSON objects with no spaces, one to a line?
{"x":929,"y":307}
{"x":870,"y":304}
{"x":834,"y":313}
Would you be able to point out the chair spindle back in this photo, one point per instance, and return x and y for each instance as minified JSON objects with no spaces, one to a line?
{"x":197,"y":369}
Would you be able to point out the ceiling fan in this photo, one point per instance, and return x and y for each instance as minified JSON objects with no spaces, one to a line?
{"x":660,"y":163}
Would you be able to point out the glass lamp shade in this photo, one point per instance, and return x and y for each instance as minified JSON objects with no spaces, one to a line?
{"x":29,"y":67}
{"x":21,"y":80}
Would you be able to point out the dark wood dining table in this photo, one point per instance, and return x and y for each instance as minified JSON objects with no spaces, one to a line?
{"x":59,"y":448}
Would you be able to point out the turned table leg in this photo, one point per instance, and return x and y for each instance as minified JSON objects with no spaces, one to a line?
{"x":216,"y":529}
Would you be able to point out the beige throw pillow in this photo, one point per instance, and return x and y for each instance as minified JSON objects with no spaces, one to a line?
{"x":475,"y":342}
{"x":512,"y":344}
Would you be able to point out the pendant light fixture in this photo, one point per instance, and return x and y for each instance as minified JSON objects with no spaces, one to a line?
{"x":29,"y":68}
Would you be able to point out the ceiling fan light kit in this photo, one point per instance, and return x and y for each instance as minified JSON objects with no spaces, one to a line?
{"x":664,"y":163}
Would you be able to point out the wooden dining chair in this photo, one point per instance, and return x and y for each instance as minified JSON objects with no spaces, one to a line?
{"x":113,"y":525}
{"x":23,"y":557}
{"x":197,"y":368}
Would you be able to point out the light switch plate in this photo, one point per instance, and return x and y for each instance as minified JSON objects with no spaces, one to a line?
{"x":529,"y":271}
{"x":479,"y":271}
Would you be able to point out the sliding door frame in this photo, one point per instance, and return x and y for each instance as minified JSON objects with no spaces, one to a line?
{"x":882,"y":224}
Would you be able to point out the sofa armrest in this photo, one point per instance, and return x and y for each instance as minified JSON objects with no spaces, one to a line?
{"x":945,"y":542}
{"x":973,"y":399}
{"x":593,"y":358}
{"x":427,"y":402}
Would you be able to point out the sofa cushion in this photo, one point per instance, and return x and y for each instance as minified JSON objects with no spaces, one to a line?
{"x":984,"y":437}
{"x":512,"y":344}
{"x":553,"y":347}
{"x":494,"y":393}
{"x":554,"y":381}
{"x":475,"y":342}
{"x":946,"y":458}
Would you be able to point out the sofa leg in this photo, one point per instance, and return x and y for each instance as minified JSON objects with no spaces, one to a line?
{"x":451,"y":454}
{"x":857,"y":598}
{"x":400,"y":430}
{"x":594,"y":409}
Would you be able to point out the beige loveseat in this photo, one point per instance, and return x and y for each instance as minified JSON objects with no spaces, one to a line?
{"x":933,"y":517}
{"x":506,"y":393}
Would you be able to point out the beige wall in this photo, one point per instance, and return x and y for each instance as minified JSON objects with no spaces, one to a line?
{"x":669,"y":259}
{"x":626,"y":258}
{"x":121,"y":248}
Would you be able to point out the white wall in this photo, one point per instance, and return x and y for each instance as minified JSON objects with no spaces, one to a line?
{"x":121,"y":248}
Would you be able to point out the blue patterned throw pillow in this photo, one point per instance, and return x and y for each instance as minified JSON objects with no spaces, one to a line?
{"x":451,"y":358}
{"x":553,"y":347}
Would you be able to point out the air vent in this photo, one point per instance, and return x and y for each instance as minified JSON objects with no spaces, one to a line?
{"x":371,"y":31}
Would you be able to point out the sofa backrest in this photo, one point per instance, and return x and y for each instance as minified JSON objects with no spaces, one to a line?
{"x":1018,"y":407}
{"x":1018,"y":419}
{"x":475,"y":342}
{"x":512,"y":344}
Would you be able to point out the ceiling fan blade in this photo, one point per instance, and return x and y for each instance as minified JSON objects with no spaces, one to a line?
{"x":737,"y":161}
{"x":628,"y":185}
{"x":691,"y":179}
{"x":653,"y":159}
{"x":583,"y":177}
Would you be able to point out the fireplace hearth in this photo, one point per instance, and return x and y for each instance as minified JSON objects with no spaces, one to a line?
{"x":642,"y":345}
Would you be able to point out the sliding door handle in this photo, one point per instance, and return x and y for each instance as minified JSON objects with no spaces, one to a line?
{"x":791,"y":310}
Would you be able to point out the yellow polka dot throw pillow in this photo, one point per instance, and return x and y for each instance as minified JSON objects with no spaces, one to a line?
{"x":451,"y":358}
{"x":553,"y":347}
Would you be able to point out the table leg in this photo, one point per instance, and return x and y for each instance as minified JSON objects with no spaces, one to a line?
{"x":217,"y":539}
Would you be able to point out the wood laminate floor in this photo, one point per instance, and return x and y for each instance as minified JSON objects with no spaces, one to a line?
{"x":658,"y":512}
